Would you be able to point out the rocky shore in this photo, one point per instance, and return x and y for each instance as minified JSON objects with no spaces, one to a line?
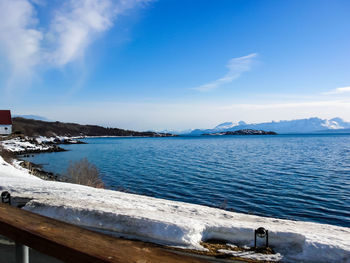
{"x":36,"y":170}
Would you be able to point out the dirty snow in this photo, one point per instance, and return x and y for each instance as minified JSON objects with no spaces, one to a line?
{"x":253,"y":255}
{"x":174,"y":223}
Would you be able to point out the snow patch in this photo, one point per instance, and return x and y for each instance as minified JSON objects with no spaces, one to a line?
{"x":332,"y":124}
{"x":20,"y":145}
{"x":228,"y":125}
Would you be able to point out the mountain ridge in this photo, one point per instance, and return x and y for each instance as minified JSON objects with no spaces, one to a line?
{"x":307,"y":125}
{"x":31,"y":127}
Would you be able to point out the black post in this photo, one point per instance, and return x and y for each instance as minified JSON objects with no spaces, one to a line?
{"x":267,"y":238}
{"x":6,"y":197}
{"x":254,"y":238}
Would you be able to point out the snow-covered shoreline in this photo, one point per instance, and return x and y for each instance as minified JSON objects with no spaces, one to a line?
{"x":19,"y":145}
{"x":170,"y":222}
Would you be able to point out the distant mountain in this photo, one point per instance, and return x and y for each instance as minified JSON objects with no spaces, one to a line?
{"x":311,"y":125}
{"x":31,"y":117}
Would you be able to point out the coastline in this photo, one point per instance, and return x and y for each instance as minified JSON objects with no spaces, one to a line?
{"x":23,"y":146}
{"x":36,"y":170}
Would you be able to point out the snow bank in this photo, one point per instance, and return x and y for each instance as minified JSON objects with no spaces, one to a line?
{"x":173,"y":223}
{"x":57,"y":139}
{"x":20,"y":145}
{"x":43,"y":139}
{"x":36,"y":144}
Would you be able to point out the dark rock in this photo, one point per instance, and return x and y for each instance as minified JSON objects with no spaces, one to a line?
{"x":244,"y":132}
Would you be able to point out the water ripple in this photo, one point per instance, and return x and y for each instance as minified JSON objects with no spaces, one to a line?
{"x":299,"y":177}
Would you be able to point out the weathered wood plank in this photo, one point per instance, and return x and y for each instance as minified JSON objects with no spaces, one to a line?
{"x":71,"y":243}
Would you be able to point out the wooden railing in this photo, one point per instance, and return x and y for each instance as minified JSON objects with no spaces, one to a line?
{"x":71,"y":243}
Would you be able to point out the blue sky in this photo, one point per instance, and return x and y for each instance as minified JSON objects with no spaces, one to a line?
{"x":175,"y":64}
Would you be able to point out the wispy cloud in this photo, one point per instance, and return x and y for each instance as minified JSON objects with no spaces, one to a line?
{"x":337,"y":91}
{"x":19,"y":37}
{"x":77,"y":23}
{"x":25,"y":43}
{"x":236,"y":66}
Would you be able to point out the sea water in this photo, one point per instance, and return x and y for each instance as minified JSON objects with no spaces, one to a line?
{"x":300,"y":177}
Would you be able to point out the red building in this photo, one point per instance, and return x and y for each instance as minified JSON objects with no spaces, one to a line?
{"x":5,"y":122}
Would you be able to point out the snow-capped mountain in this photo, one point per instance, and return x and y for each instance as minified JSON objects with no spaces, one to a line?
{"x":228,"y":125}
{"x":336,"y":123}
{"x":310,"y":125}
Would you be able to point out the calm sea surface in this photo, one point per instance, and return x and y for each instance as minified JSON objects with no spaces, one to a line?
{"x":301,"y":177}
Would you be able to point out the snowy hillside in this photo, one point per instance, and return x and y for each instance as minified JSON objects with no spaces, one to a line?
{"x":173,"y":223}
{"x":294,"y":126}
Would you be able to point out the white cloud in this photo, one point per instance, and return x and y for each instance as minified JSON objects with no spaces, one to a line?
{"x":338,"y":91}
{"x":75,"y":24}
{"x":19,"y":38}
{"x":236,"y":66}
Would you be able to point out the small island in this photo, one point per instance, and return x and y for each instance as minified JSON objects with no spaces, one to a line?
{"x":243,"y":132}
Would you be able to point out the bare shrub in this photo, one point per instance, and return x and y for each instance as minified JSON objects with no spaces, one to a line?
{"x":85,"y":173}
{"x":6,"y":155}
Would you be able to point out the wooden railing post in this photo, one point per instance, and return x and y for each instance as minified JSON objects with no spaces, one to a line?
{"x":22,"y":251}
